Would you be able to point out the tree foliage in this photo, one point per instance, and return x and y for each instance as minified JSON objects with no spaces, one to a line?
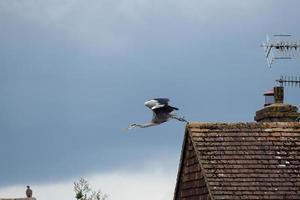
{"x":84,"y":191}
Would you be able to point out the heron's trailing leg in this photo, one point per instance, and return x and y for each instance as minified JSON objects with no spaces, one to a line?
{"x":178,"y":118}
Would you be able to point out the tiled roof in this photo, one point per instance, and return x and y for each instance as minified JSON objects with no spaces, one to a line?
{"x":249,"y":160}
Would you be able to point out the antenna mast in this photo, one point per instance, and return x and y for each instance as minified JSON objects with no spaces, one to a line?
{"x":281,"y":47}
{"x":289,"y":81}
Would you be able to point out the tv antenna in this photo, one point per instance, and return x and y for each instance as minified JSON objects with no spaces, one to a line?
{"x":280,"y":47}
{"x":289,"y":81}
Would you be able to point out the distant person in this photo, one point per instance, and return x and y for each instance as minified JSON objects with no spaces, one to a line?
{"x":28,"y":192}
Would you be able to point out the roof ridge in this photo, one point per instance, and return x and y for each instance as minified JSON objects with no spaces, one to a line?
{"x":221,"y":125}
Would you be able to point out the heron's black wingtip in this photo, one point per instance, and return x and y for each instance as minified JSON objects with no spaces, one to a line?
{"x":174,"y":108}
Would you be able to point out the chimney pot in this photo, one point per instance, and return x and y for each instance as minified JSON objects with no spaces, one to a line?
{"x":269,"y":97}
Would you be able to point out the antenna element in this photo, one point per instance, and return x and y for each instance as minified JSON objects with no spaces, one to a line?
{"x":289,"y":81}
{"x":282,"y":48}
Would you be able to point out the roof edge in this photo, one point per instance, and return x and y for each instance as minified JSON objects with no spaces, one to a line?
{"x":222,"y":125}
{"x":181,"y":162}
{"x":201,"y":165}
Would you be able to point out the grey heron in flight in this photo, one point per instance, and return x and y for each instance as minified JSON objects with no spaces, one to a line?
{"x":162,"y":112}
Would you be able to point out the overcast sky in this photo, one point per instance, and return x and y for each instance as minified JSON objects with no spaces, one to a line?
{"x":74,"y":74}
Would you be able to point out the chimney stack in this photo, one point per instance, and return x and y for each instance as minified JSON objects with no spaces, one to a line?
{"x":278,"y":94}
{"x":275,"y":110}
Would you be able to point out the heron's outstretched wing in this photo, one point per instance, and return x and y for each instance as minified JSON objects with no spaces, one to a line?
{"x":160,"y":116}
{"x":157,"y":103}
{"x":166,"y":109}
{"x":162,"y":100}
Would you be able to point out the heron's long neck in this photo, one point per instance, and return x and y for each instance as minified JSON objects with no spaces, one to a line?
{"x":146,"y":125}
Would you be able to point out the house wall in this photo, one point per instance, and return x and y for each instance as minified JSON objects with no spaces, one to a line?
{"x":191,"y":184}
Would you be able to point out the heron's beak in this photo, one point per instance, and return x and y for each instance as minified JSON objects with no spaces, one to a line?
{"x":128,"y":128}
{"x":131,"y":126}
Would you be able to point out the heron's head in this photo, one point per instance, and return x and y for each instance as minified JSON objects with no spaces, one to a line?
{"x":132,"y":126}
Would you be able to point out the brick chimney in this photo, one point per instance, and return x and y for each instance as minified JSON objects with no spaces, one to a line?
{"x":277,"y":111}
